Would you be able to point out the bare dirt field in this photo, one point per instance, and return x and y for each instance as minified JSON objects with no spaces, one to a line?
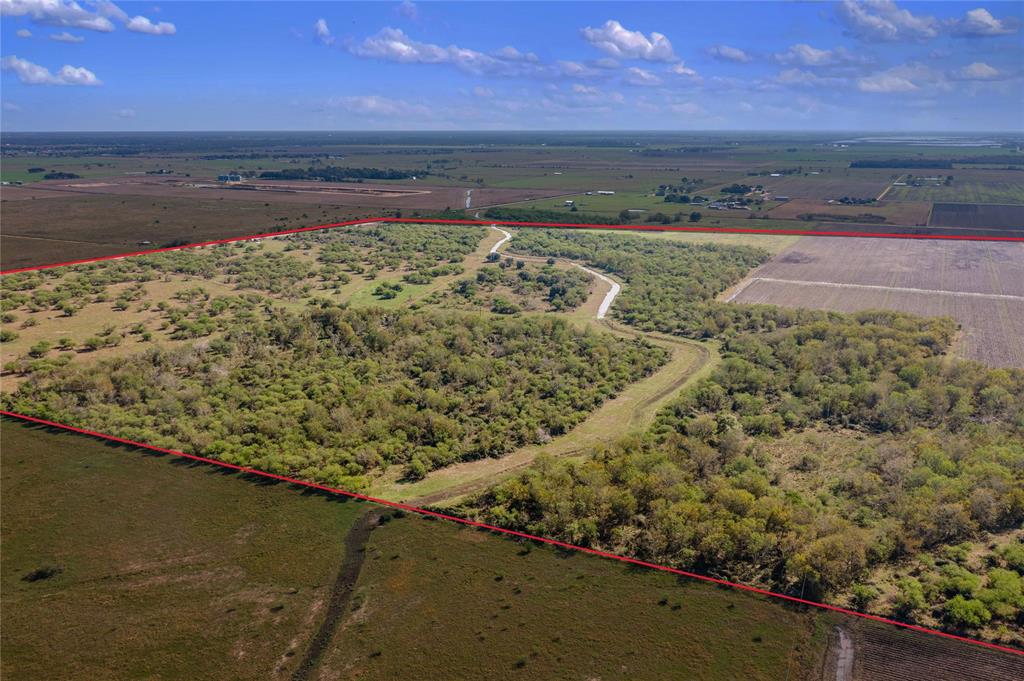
{"x":402,"y":196}
{"x":914,"y":213}
{"x":864,"y":184}
{"x":980,"y":284}
{"x":884,"y":653}
{"x":974,"y":215}
{"x":76,"y":226}
{"x":55,"y":221}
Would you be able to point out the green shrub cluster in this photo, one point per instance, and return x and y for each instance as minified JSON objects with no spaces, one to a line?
{"x":332,"y":394}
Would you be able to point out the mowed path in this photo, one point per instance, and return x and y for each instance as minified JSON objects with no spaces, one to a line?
{"x":632,"y":410}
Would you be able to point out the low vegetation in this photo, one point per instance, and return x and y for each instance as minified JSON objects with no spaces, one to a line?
{"x":334,"y":394}
{"x":222,"y":584}
{"x":510,"y":287}
{"x":941,"y":465}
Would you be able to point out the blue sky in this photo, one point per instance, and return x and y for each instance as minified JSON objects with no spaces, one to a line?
{"x":877,"y":65}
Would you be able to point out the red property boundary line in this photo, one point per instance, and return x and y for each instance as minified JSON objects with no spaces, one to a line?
{"x":508,"y":223}
{"x":492,"y":528}
{"x":513,"y":533}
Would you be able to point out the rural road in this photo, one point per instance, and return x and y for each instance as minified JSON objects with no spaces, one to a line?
{"x":495,"y":247}
{"x":874,"y":287}
{"x":609,"y":298}
{"x":844,"y":657}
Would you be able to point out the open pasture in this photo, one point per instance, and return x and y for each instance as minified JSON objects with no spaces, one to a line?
{"x":408,"y":196}
{"x":163,"y":569}
{"x":122,"y":564}
{"x":74,"y":226}
{"x":834,"y":183}
{"x":893,"y":212}
{"x":969,"y":185}
{"x":977,"y":216}
{"x":979,"y":284}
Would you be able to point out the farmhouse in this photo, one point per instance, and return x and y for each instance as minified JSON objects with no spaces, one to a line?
{"x":605,"y":192}
{"x":229,"y":178}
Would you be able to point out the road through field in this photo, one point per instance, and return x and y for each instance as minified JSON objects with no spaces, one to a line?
{"x":873,"y":287}
{"x":632,"y":410}
{"x":613,"y":286}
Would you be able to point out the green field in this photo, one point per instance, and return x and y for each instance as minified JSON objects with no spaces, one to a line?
{"x":502,"y":609}
{"x":963,"y":192}
{"x":164,"y":568}
{"x":177,"y":571}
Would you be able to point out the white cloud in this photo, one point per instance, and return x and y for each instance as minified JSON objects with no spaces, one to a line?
{"x":638,"y":76}
{"x":321,"y":33}
{"x":580,"y":97}
{"x":373,"y":105}
{"x":726,"y":53}
{"x":977,"y":71}
{"x":63,"y":13}
{"x":745,"y":107}
{"x":125,"y":113}
{"x":392,"y":44}
{"x":574,"y":69}
{"x":687,"y":108}
{"x":618,"y":41}
{"x":408,"y":10}
{"x":65,"y":37}
{"x":33,"y":74}
{"x":510,"y":53}
{"x":885,"y":82}
{"x":483,"y":92}
{"x":143,"y":25}
{"x":905,"y":78}
{"x":803,"y":54}
{"x":23,"y":33}
{"x":882,"y":20}
{"x":70,"y":14}
{"x":979,"y":23}
{"x":799,"y":77}
{"x":682,"y":69}
{"x":11,"y":106}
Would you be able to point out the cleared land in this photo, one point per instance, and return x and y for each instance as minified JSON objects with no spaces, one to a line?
{"x":175,"y":571}
{"x":160,"y":569}
{"x":54,"y":221}
{"x":977,"y":215}
{"x":970,"y":185}
{"x":979,"y":284}
{"x":892,"y":212}
{"x":832,"y":184}
{"x":217,"y":592}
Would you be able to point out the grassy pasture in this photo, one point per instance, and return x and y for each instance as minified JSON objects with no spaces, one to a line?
{"x":509,"y":610}
{"x":965,"y":191}
{"x":46,"y":230}
{"x":166,"y":570}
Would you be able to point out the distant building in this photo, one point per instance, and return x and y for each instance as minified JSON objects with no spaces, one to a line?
{"x":570,"y":202}
{"x":605,"y":192}
{"x":229,"y":178}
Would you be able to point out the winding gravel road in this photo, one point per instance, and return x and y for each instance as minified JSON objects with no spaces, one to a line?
{"x":609,"y":298}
